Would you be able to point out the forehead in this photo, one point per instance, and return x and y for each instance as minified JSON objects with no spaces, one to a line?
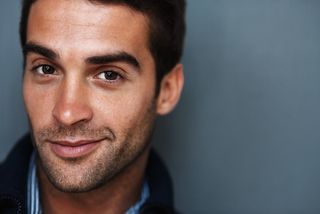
{"x":81,"y":24}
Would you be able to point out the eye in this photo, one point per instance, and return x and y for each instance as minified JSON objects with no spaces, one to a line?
{"x":110,"y":76}
{"x":45,"y":69}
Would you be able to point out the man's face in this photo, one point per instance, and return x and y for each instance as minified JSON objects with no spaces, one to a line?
{"x":89,"y":90}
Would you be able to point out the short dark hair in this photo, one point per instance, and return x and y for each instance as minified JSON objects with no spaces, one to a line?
{"x":166,"y":28}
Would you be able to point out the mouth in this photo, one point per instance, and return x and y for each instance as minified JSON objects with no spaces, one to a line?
{"x":73,"y":149}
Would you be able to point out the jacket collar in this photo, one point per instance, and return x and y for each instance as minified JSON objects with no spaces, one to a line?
{"x":13,"y":180}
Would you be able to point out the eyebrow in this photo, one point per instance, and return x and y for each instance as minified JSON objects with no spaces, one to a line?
{"x":114,"y":57}
{"x":39,"y":49}
{"x":121,"y":56}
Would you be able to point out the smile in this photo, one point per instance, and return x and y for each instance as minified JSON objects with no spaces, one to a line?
{"x":73,"y":149}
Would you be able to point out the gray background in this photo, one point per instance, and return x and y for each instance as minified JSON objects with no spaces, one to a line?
{"x":244,"y":138}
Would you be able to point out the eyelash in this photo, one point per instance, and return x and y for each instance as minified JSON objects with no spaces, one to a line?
{"x":118,"y":76}
{"x":35,"y":69}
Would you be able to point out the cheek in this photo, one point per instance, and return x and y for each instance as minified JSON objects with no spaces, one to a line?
{"x":127,"y":107}
{"x":124,"y":111}
{"x":38,"y":104}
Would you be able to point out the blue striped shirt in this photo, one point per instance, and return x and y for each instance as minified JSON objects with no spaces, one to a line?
{"x":34,"y":206}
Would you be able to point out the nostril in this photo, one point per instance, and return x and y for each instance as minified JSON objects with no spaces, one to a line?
{"x":72,"y":113}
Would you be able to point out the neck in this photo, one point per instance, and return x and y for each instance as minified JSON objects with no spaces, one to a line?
{"x":116,"y":196}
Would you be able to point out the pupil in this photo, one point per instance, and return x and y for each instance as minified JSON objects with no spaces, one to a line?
{"x":47,"y":69}
{"x":111,"y":75}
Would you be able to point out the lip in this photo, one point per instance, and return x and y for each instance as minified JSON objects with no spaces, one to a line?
{"x":73,"y":149}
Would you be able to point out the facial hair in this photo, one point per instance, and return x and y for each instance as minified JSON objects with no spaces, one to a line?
{"x":116,"y":152}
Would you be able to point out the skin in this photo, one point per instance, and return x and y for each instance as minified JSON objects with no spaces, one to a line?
{"x":70,"y":98}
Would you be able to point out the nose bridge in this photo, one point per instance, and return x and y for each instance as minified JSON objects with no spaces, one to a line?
{"x":71,"y":104}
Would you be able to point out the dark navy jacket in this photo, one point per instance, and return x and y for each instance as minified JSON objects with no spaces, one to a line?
{"x":14,"y":173}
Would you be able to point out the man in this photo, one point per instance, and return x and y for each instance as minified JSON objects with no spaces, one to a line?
{"x":97,"y":73}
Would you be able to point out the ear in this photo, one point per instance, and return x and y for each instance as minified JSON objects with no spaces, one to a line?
{"x":170,"y":90}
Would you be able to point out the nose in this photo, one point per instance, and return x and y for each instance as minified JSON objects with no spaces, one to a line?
{"x":72,"y":105}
